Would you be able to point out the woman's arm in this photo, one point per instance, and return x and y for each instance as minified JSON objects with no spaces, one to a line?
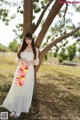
{"x":36,"y":61}
{"x":21,"y":60}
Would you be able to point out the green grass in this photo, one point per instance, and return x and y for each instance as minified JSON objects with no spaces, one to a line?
{"x":58,"y":91}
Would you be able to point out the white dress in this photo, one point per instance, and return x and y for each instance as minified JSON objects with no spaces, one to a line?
{"x":19,"y":98}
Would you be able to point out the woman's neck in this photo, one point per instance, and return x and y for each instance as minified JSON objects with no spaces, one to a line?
{"x":29,"y":46}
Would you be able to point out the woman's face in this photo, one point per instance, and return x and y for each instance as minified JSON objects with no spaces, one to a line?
{"x":28,"y":40}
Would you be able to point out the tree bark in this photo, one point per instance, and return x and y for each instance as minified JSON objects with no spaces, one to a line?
{"x":35,"y":88}
{"x":27,"y":16}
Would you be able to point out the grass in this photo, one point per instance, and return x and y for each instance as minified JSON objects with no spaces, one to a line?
{"x":58,"y":91}
{"x":59,"y":88}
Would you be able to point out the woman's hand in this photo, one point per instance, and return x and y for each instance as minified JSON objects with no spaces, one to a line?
{"x":23,"y":61}
{"x":29,"y":62}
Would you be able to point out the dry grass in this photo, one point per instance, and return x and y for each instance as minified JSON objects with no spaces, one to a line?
{"x":58,"y":90}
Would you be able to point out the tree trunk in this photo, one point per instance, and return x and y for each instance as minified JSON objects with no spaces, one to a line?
{"x":27,"y":16}
{"x":35,"y":88}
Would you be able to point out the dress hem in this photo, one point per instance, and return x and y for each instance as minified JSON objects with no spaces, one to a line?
{"x":11,"y":110}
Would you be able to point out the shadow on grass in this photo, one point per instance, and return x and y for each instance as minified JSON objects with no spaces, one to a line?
{"x":58,"y":103}
{"x":54,"y":101}
{"x":33,"y":112}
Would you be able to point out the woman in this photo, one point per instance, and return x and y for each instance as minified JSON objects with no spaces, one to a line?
{"x":20,"y":94}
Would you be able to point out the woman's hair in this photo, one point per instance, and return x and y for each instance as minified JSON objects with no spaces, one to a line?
{"x":24,"y":45}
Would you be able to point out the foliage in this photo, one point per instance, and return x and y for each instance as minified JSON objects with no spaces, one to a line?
{"x":55,"y":54}
{"x":76,"y":34}
{"x":60,"y":27}
{"x":4,"y":48}
{"x":61,"y":59}
{"x":66,"y":52}
{"x":13,"y":46}
{"x":72,"y":51}
{"x":78,"y":49}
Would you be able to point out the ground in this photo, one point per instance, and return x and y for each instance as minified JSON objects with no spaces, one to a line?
{"x":58,"y":91}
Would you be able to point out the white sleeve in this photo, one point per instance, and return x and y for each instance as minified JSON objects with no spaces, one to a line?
{"x":36,"y":61}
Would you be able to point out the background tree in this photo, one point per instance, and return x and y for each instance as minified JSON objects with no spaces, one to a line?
{"x":4,"y":48}
{"x":72,"y":51}
{"x":14,"y":46}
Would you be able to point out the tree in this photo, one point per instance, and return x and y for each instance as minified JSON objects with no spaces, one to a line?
{"x":32,"y":27}
{"x":72,"y":51}
{"x":4,"y":48}
{"x":29,"y":25}
{"x":13,"y":46}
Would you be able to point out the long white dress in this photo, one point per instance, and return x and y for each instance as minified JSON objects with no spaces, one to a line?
{"x":19,"y":98}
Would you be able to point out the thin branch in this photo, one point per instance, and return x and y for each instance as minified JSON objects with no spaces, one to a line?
{"x":65,"y":12}
{"x":76,"y":8}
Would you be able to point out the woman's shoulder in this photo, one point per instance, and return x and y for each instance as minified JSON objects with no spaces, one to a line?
{"x":37,"y":50}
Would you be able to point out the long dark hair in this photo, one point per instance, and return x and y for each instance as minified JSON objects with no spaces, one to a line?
{"x":24,"y":45}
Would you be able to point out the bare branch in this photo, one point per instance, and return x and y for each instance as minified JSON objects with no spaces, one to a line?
{"x":76,"y":8}
{"x":65,"y":12}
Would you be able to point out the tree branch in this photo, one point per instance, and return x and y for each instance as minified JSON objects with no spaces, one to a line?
{"x":65,"y":12}
{"x":48,"y":47}
{"x":42,"y":14}
{"x":76,"y":8}
{"x":52,"y":14}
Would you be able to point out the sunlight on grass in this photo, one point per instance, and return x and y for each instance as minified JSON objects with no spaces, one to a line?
{"x":64,"y":77}
{"x":7,"y":58}
{"x":58,"y":87}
